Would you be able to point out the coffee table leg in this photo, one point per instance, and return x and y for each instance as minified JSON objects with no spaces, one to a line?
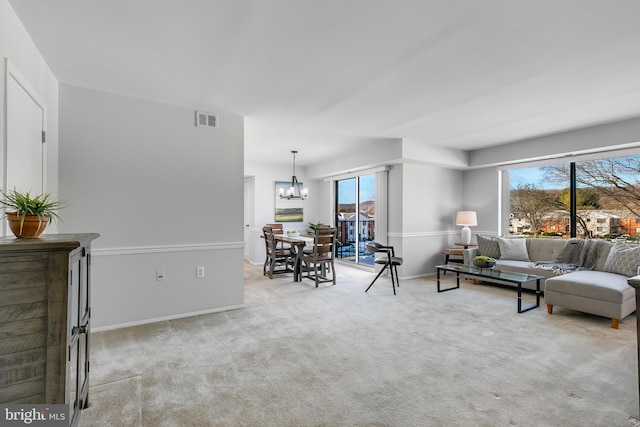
{"x":447,"y":289}
{"x":531,"y":307}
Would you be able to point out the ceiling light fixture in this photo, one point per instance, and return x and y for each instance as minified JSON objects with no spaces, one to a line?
{"x":295,"y":191}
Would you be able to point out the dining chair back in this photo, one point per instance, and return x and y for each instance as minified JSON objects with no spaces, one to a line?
{"x":318,"y":262}
{"x":278,"y":229}
{"x":388,"y":260}
{"x":277,"y":259}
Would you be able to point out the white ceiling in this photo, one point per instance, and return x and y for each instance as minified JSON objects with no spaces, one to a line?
{"x":320,"y":76}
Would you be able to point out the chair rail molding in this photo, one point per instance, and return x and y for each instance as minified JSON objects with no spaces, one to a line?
{"x":434,"y":234}
{"x":137,"y":250}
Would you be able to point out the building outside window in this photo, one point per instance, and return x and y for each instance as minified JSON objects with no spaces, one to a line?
{"x":607,"y":199}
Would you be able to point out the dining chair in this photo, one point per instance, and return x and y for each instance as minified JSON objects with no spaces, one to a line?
{"x":278,"y":260}
{"x":320,"y":260}
{"x":389,"y":260}
{"x":278,"y":229}
{"x":309,"y":249}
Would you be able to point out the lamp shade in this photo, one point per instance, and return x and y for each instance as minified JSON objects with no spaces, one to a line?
{"x":466,"y":218}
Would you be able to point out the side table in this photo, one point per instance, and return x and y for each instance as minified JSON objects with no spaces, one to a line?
{"x":465,"y":245}
{"x":452,"y":252}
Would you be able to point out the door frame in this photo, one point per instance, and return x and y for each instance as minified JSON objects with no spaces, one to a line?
{"x":381,"y":204}
{"x":249,"y":218}
{"x":12,"y":73}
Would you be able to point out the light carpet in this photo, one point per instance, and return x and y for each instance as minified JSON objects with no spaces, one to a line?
{"x":297,"y":355}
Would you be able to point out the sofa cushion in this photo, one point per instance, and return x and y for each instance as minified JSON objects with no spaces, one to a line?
{"x":623,"y":259}
{"x":603,"y":258}
{"x":524,"y":267}
{"x":598,"y":285}
{"x":544,"y":249}
{"x":514,"y":249}
{"x":488,"y":246}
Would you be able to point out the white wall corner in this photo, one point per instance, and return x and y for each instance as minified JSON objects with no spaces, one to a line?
{"x":418,"y":151}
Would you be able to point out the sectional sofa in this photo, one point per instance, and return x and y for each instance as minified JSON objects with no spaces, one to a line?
{"x":583,"y":275}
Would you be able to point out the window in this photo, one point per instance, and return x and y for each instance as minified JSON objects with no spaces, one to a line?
{"x":590,"y":198}
{"x":533,"y":207}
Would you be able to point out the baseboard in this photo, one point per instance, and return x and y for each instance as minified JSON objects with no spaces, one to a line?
{"x":417,"y":276}
{"x":165,"y":318}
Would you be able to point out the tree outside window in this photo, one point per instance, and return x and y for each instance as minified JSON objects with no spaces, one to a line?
{"x":607,"y":199}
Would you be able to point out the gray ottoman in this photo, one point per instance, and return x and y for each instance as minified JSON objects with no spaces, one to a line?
{"x":594,"y":292}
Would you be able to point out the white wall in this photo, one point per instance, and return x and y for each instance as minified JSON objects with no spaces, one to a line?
{"x":416,"y":151}
{"x":378,"y":152}
{"x":264,"y":176}
{"x":481,"y":195}
{"x":619,"y":134}
{"x":431,"y":197}
{"x":17,"y":47}
{"x":163,"y":194}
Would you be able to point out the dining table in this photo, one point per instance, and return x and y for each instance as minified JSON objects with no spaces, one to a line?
{"x":297,"y":246}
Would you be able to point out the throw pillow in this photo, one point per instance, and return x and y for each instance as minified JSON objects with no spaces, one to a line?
{"x":488,"y":246}
{"x":623,"y":259}
{"x":514,"y":249}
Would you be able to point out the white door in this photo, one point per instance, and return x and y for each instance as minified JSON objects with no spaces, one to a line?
{"x":25,"y":167}
{"x":25,"y":148}
{"x":248,"y":219}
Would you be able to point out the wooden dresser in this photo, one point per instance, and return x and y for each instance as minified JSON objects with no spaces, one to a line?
{"x":45,"y":313}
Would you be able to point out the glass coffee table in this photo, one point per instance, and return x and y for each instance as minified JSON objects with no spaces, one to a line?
{"x":491,"y":273}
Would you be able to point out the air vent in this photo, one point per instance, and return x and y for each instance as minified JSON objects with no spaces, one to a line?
{"x":206,"y":120}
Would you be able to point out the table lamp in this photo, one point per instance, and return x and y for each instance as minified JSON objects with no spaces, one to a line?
{"x":466,"y":218}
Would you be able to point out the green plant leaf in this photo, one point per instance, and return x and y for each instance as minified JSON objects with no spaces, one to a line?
{"x":26,"y":204}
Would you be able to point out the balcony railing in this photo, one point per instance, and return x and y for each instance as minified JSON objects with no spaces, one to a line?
{"x":347,"y":236}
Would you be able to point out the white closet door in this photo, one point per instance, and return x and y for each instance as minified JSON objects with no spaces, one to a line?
{"x":25,"y":150}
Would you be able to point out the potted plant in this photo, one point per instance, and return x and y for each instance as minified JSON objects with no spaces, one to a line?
{"x":313,"y":227}
{"x":29,"y":215}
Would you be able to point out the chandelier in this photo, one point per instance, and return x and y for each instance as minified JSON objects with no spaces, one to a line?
{"x":295,"y":191}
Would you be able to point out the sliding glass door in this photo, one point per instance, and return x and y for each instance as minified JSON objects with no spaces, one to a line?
{"x":355,"y":218}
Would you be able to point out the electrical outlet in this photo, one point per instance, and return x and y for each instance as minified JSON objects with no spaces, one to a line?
{"x":199,"y":272}
{"x":160,"y":275}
